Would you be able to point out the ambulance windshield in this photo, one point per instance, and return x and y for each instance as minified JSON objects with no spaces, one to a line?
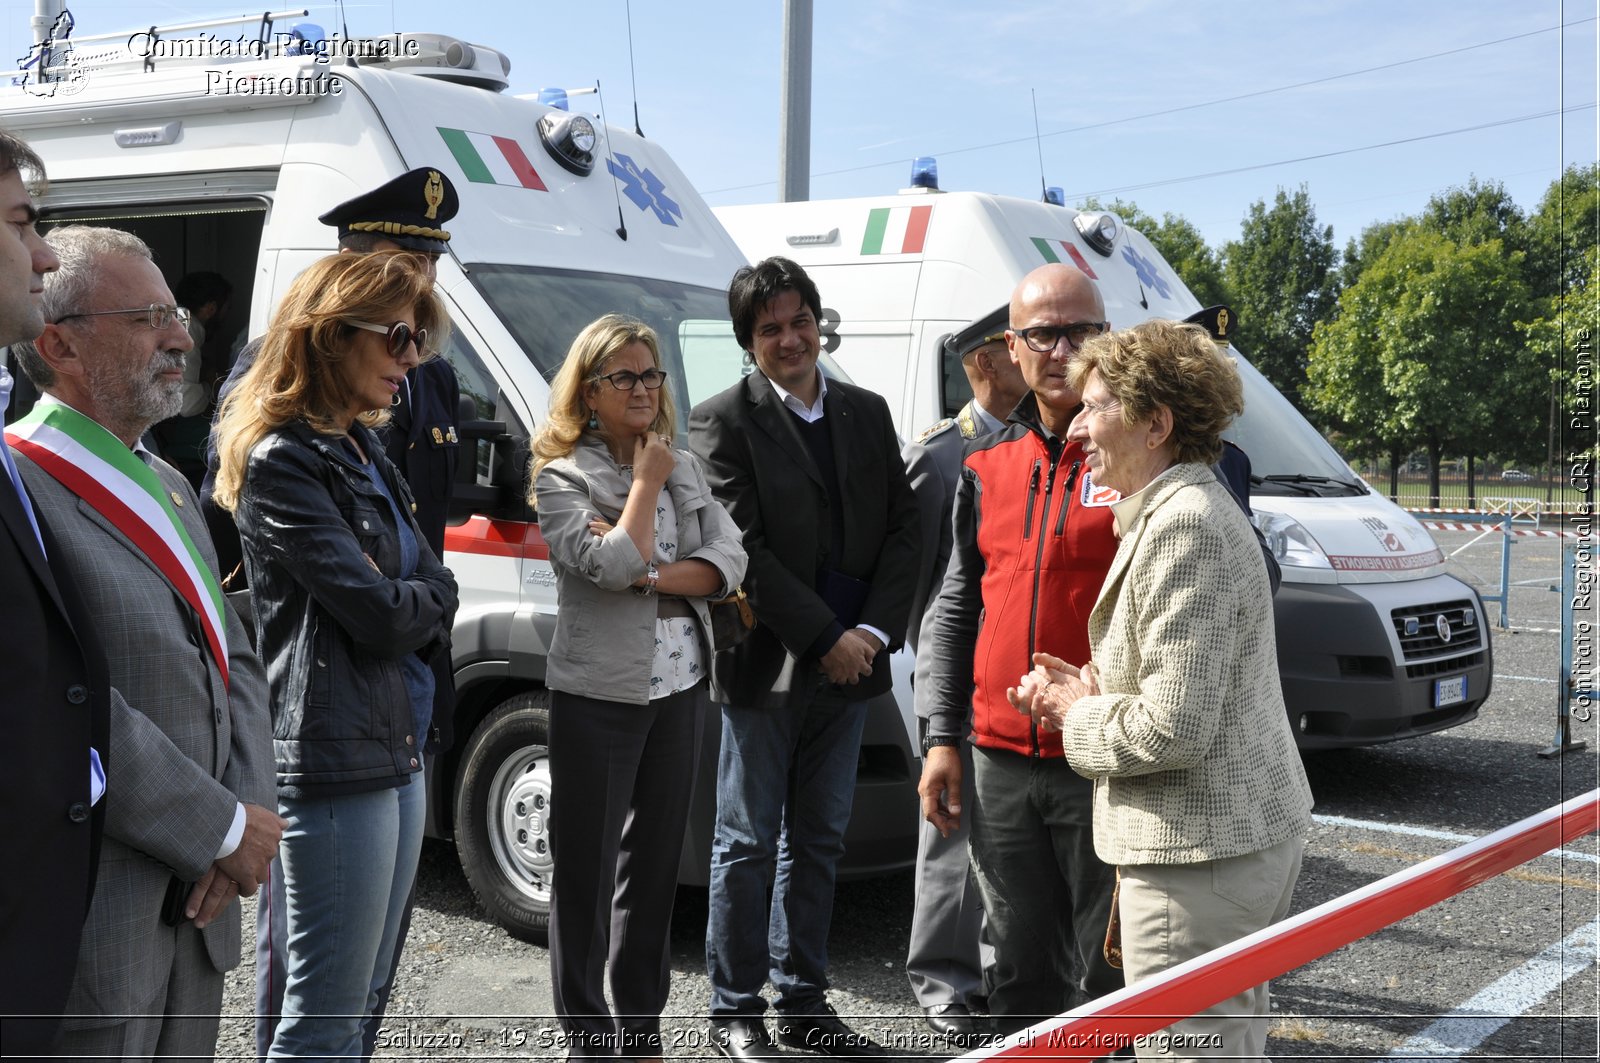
{"x":1287,"y":455}
{"x":545,"y":309}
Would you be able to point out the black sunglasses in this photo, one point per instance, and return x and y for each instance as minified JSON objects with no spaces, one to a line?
{"x":396,"y":336}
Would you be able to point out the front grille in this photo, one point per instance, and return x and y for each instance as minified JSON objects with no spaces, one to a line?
{"x":1445,"y":664}
{"x":1418,"y":629}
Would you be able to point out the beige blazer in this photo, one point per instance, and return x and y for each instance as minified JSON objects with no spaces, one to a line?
{"x":1188,"y":744}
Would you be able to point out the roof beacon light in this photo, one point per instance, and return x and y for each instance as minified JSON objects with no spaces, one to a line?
{"x":925,"y":173}
{"x":1055,"y":196}
{"x":569,"y":138}
{"x":305,"y":38}
{"x":1099,"y":230}
{"x":556,"y":98}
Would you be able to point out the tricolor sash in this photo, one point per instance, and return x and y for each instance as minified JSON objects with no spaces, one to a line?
{"x":100,"y":469}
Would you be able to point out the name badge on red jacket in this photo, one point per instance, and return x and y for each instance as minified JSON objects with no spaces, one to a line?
{"x":1095,"y":494}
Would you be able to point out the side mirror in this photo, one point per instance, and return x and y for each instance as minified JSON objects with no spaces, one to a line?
{"x":491,"y":477}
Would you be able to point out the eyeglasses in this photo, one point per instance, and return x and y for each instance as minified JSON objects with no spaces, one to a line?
{"x":158,"y":315}
{"x":625,"y":379}
{"x":397,"y":336}
{"x":1093,"y":408}
{"x":1044,"y":338}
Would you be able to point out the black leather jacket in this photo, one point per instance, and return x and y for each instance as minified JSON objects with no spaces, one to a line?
{"x":331,"y":630}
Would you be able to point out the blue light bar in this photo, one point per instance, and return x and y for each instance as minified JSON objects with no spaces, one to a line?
{"x":556,"y":98}
{"x":925,"y":172}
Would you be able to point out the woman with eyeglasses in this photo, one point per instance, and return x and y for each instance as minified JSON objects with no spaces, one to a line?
{"x":638,"y":545}
{"x":350,"y":606}
{"x":1200,"y":799}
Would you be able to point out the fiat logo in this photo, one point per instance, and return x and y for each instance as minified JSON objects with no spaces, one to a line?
{"x":1442,"y":623}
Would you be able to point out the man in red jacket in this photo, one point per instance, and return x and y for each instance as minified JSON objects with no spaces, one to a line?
{"x":1032,"y":542}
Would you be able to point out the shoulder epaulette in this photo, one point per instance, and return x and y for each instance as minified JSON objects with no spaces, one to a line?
{"x":935,"y":428}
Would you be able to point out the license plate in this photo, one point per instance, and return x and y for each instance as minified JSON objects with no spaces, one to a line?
{"x":1450,"y":691}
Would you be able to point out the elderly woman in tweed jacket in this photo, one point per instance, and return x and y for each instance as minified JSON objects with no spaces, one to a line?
{"x":1200,"y":799}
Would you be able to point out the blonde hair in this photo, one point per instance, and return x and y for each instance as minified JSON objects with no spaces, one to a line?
{"x":296,"y":374}
{"x":597,"y":344}
{"x":1167,"y":363}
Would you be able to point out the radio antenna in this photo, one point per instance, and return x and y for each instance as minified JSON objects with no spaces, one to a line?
{"x":622,"y":225}
{"x":632,"y":75}
{"x":1038,"y":144}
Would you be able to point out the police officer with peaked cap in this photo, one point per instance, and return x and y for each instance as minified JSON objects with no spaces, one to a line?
{"x":407,"y":213}
{"x":1233,"y":468}
{"x":946,"y":959}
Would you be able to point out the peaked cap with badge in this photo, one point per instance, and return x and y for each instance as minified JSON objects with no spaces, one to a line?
{"x":1218,"y":320}
{"x":987,"y":329}
{"x":410,"y":210}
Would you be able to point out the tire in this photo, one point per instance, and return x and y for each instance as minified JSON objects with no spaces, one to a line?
{"x":502,"y":815}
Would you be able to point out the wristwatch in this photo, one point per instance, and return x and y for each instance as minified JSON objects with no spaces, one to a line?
{"x":652,"y":579}
{"x":931,"y":741}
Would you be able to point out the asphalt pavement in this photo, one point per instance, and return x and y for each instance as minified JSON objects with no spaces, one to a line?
{"x":1505,"y":970}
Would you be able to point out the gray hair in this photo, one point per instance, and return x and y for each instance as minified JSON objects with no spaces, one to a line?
{"x":67,"y":291}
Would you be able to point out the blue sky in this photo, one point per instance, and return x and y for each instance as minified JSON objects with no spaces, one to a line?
{"x":897,"y":78}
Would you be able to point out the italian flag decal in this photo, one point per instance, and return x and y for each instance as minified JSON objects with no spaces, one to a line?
{"x":1047,"y":248}
{"x":491,"y":160}
{"x":896,"y":230}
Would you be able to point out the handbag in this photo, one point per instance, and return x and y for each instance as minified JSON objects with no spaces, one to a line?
{"x":238,"y":595}
{"x":1112,"y":949}
{"x":732,"y":619}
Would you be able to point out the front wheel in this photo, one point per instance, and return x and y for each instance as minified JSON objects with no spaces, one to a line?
{"x":502,"y":815}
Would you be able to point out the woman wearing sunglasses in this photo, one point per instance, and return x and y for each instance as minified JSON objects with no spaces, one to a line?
{"x":350,"y":607}
{"x":638,"y":544}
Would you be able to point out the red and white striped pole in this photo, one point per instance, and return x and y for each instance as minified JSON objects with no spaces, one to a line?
{"x":1112,"y":1021}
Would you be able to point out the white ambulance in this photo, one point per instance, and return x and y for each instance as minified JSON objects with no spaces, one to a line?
{"x":1376,"y":640}
{"x":221,"y":151}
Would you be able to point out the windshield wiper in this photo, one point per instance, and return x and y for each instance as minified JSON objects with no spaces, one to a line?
{"x":1311,"y":484}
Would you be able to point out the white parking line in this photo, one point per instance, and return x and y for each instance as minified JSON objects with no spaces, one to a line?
{"x":1507,"y":998}
{"x":1437,"y":835}
{"x":1529,"y":678}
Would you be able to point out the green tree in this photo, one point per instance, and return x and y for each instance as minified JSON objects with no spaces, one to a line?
{"x":1562,"y":229}
{"x":1181,"y":244}
{"x":1427,"y":350}
{"x":1563,"y":237}
{"x":1282,"y":276}
{"x":1475,"y":213}
{"x":1360,"y":251}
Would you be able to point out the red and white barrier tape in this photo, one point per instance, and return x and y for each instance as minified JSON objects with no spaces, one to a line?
{"x":1542,"y":533}
{"x":1112,"y":1021}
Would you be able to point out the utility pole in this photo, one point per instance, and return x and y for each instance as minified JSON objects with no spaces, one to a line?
{"x":794,"y":133}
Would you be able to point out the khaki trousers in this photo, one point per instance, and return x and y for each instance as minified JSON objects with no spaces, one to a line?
{"x":1175,"y":912}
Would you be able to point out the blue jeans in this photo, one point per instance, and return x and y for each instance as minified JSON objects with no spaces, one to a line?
{"x":348,"y":865}
{"x":785,"y":780}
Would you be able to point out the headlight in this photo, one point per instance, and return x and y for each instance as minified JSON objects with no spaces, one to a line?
{"x":1290,"y":542}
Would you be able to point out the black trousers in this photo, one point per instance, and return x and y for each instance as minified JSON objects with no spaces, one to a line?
{"x":621,"y":778}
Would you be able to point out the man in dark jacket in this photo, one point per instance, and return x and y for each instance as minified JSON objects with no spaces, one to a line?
{"x":810,"y":471}
{"x":56,"y":708}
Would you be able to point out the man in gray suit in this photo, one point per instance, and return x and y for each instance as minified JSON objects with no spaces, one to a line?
{"x":189,"y":819}
{"x":946,"y":959}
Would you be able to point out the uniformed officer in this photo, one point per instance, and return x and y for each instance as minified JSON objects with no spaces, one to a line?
{"x":945,"y":961}
{"x":408,"y":213}
{"x":1233,"y":468}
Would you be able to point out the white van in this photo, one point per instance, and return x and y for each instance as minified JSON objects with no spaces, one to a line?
{"x":1376,"y":641}
{"x":223,"y":162}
